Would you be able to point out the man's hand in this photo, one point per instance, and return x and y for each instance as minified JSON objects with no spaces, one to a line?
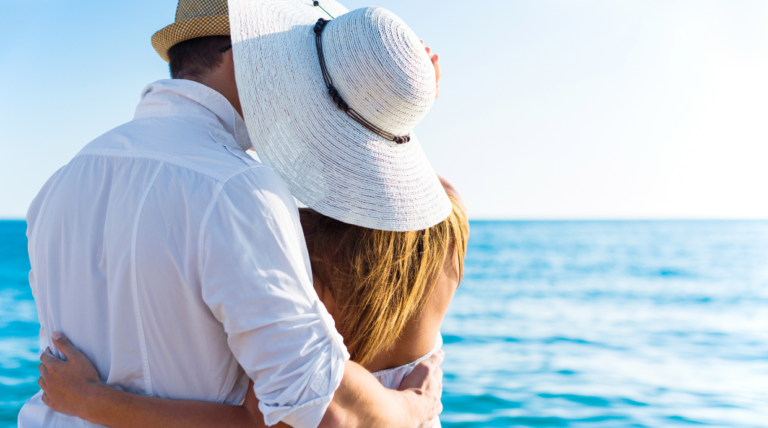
{"x":426,"y":381}
{"x":361,"y":401}
{"x":436,"y":62}
{"x":68,"y":385}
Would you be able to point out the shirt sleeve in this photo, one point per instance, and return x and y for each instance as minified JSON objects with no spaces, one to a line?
{"x":256,"y":279}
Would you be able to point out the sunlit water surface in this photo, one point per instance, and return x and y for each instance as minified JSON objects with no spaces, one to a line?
{"x":577,"y":324}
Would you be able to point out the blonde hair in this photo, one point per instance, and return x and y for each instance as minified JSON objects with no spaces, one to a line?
{"x":379,"y":279}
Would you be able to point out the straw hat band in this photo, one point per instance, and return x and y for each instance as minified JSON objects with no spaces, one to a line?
{"x":194,"y":18}
{"x":380,"y":68}
{"x":334,"y":93}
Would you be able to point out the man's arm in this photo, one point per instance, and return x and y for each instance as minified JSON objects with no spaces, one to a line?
{"x":73,"y":387}
{"x":361,"y":401}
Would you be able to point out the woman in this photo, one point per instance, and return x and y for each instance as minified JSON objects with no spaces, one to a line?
{"x":334,"y":102}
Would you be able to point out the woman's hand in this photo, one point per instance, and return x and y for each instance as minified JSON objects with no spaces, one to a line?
{"x":436,"y":62}
{"x":68,"y":385}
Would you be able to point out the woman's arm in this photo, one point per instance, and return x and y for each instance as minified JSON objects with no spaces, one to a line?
{"x":85,"y":396}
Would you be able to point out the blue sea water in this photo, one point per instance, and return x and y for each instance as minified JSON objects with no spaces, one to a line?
{"x":558,"y":324}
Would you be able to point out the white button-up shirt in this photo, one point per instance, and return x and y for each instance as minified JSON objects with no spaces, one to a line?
{"x":178,"y":265}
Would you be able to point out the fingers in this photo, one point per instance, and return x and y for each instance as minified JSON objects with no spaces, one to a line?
{"x":43,"y":370}
{"x":439,"y":356}
{"x":435,"y":58}
{"x":435,"y":360}
{"x":439,"y":375}
{"x":436,"y":63}
{"x":65,"y":346}
{"x":48,"y":359}
{"x":41,"y":383}
{"x":47,"y":401}
{"x":429,"y":52}
{"x":428,"y":372}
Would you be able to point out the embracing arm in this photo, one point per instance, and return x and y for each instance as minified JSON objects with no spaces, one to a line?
{"x":361,"y":401}
{"x":73,"y":387}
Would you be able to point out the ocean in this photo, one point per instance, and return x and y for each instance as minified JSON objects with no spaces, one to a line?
{"x":557,"y":324}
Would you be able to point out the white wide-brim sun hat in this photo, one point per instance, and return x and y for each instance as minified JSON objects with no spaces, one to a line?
{"x":329,"y":161}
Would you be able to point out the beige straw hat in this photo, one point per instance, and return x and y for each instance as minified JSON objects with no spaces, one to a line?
{"x":331,"y":161}
{"x":194,"y":18}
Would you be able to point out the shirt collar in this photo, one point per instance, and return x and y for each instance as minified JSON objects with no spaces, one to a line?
{"x":168,"y":96}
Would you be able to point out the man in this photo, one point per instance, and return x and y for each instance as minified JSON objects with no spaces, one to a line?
{"x":177,"y":263}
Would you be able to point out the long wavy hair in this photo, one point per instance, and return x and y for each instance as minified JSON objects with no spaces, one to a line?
{"x":378,"y":279}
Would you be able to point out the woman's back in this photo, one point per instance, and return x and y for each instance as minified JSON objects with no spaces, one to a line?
{"x":387,"y":291}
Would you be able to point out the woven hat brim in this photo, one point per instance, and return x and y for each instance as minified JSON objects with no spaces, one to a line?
{"x":187,"y":29}
{"x":329,"y":162}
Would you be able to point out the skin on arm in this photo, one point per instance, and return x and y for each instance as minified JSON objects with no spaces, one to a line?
{"x":73,"y":387}
{"x":377,"y":402}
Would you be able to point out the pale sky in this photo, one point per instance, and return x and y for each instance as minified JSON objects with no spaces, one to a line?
{"x":549,"y":109}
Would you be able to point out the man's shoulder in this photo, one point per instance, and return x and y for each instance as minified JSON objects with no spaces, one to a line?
{"x":258,"y":181}
{"x":178,"y":141}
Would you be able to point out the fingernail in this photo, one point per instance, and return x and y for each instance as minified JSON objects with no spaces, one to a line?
{"x":56,"y":335}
